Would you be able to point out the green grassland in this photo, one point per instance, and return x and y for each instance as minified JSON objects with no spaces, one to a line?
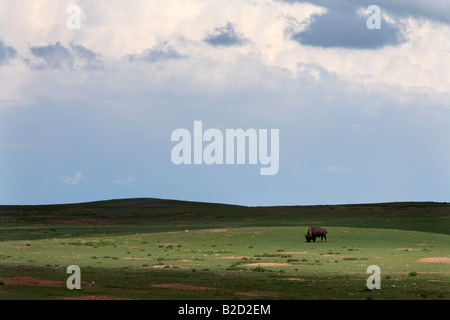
{"x":164,"y":249}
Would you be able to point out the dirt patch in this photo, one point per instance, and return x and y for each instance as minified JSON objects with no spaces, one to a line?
{"x":438,"y":259}
{"x":237,"y":257}
{"x":6,"y":293}
{"x":427,"y":243}
{"x":133,"y":258}
{"x":95,"y":298}
{"x":182,"y":287}
{"x":30,"y":281}
{"x":295,"y":252}
{"x":254,"y":294}
{"x":408,"y":249}
{"x":267,"y":264}
{"x":218,"y":230}
{"x":294,"y":279}
{"x":161,"y":266}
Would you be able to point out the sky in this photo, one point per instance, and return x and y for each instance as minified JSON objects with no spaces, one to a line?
{"x":88,"y":106}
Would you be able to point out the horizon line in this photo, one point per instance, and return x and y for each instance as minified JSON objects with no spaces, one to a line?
{"x":228,"y":204}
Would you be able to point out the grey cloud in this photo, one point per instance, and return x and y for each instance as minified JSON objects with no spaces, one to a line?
{"x":52,"y":56}
{"x":7,"y":53}
{"x":225,"y":36}
{"x":56,"y":56}
{"x":437,"y":10}
{"x":161,"y":52}
{"x":88,"y":59}
{"x":345,"y":28}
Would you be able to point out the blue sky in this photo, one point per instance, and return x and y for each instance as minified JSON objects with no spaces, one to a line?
{"x":87,"y":114}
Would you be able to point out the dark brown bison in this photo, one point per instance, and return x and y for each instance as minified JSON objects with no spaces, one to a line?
{"x":315,"y":232}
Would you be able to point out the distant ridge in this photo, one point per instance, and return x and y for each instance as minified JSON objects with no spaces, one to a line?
{"x":158,"y":202}
{"x":133,"y":215}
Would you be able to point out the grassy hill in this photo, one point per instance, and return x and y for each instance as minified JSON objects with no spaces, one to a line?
{"x":156,"y":215}
{"x":167,"y":249}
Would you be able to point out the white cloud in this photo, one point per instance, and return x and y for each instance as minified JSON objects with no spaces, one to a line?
{"x":72,"y":179}
{"x":126,"y":182}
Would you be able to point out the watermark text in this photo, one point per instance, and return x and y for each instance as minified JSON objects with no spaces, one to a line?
{"x":232,"y":147}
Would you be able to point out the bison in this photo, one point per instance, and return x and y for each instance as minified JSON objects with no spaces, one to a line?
{"x":315,"y":232}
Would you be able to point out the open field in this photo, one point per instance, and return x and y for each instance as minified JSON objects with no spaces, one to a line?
{"x":162,"y":249}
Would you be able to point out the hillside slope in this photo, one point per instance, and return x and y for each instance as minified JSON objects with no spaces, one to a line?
{"x":147,"y":215}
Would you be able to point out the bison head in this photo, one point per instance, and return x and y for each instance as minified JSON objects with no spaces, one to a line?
{"x":308,"y":238}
